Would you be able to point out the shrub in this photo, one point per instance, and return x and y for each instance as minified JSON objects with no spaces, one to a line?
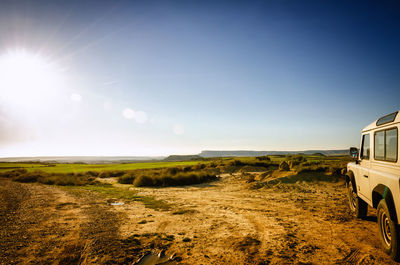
{"x":27,"y":177}
{"x":69,"y":179}
{"x":284,"y":166}
{"x":236,"y":163}
{"x":92,"y":173}
{"x":263,"y":158}
{"x":299,"y":158}
{"x":104,"y":174}
{"x":187,"y":169}
{"x":293,"y":163}
{"x":13,"y":173}
{"x":142,"y":181}
{"x":117,"y":173}
{"x":149,"y":178}
{"x":172,"y":170}
{"x":336,"y":171}
{"x":127,"y":178}
{"x":199,"y":166}
{"x":212,"y":165}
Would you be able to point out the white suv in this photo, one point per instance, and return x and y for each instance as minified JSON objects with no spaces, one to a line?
{"x":374,"y":179}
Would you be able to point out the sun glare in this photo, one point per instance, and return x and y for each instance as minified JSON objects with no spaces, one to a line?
{"x":27,"y":79}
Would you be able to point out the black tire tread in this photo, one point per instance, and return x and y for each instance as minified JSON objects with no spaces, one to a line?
{"x":394,"y":250}
{"x":361,"y":208}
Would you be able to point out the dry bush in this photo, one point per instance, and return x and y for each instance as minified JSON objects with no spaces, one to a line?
{"x":263,"y":158}
{"x":13,"y":173}
{"x":127,"y":178}
{"x":61,"y":179}
{"x":187,"y":168}
{"x":176,"y":176}
{"x":93,"y":173}
{"x":199,"y":166}
{"x":298,"y":158}
{"x":27,"y":177}
{"x":236,"y":163}
{"x":284,"y":166}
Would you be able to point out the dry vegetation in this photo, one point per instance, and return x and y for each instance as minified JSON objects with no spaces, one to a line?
{"x":180,"y":175}
{"x":264,"y":210}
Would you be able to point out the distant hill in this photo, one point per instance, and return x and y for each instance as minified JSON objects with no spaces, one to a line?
{"x":172,"y":158}
{"x":177,"y":158}
{"x":83,"y":159}
{"x":215,"y":153}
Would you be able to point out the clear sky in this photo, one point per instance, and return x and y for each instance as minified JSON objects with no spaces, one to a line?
{"x":177,"y":77}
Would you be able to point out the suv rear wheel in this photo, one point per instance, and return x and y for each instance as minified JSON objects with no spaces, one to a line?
{"x":388,"y":231}
{"x":357,"y":206}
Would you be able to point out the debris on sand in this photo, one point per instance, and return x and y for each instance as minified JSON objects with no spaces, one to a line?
{"x":116,"y":203}
{"x":153,"y":258}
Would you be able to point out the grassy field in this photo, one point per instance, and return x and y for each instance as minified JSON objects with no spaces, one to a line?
{"x":80,"y":168}
{"x":164,"y":174}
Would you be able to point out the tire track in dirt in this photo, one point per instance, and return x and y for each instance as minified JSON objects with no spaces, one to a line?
{"x":33,"y":230}
{"x":10,"y":201}
{"x":300,"y":223}
{"x":43,"y":224}
{"x":220,"y":223}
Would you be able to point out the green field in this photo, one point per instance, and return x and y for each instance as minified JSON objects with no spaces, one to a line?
{"x":79,"y":168}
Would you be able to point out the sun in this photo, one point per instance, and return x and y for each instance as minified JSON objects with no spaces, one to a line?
{"x":28,"y":79}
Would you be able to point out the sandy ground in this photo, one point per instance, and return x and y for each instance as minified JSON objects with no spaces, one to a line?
{"x":224,"y":222}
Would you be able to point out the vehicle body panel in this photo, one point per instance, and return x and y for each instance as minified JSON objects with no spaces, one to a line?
{"x":369,"y":173}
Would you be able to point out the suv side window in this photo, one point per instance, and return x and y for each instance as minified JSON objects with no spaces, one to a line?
{"x":380,"y":145}
{"x":365,"y":148}
{"x":386,"y":145}
{"x":391,"y":145}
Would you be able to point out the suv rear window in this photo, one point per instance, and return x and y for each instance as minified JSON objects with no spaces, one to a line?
{"x":386,"y":119}
{"x":385,"y":146}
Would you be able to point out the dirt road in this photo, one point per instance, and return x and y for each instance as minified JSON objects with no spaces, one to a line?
{"x":223,"y":222}
{"x":46,"y":225}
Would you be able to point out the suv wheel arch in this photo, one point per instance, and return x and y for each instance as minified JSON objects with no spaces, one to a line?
{"x":350,"y":178}
{"x":383,"y":192}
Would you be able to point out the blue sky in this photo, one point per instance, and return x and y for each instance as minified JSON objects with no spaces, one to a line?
{"x":164,"y":77}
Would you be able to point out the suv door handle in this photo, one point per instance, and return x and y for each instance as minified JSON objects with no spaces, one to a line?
{"x":366,"y":176}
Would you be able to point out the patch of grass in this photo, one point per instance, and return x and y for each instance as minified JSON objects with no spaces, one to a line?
{"x":111,"y":191}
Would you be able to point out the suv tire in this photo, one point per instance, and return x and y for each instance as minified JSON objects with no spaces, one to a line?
{"x":357,"y":206}
{"x":388,"y":231}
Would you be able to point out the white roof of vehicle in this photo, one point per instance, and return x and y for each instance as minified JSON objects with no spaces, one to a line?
{"x":374,"y":125}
